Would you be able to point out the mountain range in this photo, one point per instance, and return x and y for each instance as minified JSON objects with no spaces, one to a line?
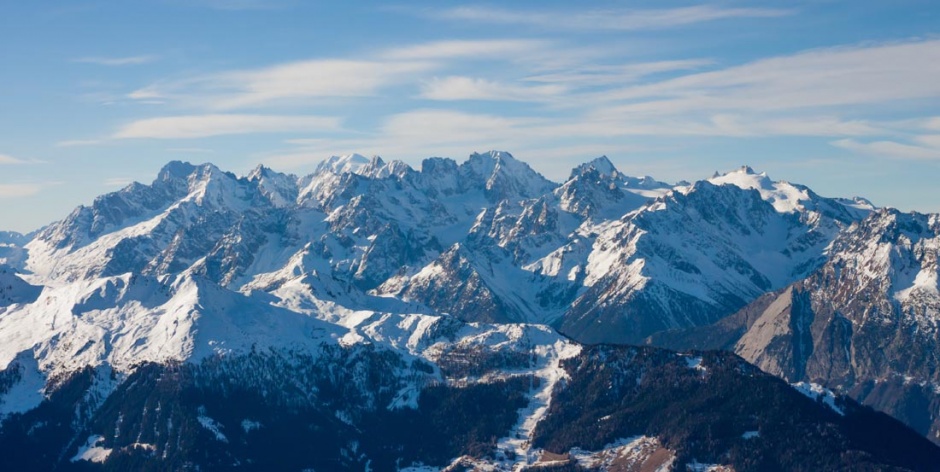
{"x":210,"y":320}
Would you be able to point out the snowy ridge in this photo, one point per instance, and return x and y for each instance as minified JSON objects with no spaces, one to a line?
{"x":204,"y":263}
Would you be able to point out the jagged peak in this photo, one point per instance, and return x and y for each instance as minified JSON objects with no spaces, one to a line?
{"x":857,"y":203}
{"x":489,"y":164}
{"x":349,"y":163}
{"x":645,"y":183}
{"x":379,"y":169}
{"x":185,"y":172}
{"x":176,"y":170}
{"x":260,"y":172}
{"x":493,"y":155}
{"x":433,"y":165}
{"x":376,"y":162}
{"x":744,"y":170}
{"x":601,"y":164}
{"x":485,"y":164}
{"x":746,"y":177}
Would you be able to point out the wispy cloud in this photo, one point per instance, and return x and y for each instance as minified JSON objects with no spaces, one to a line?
{"x":607,"y":75}
{"x":929,"y":150}
{"x":17,"y":190}
{"x":468,"y":88}
{"x":819,"y":78}
{"x":609,"y":19}
{"x":817,"y":93}
{"x":460,"y":49}
{"x":6,"y":159}
{"x":283,"y":83}
{"x":116,"y":61}
{"x":299,"y":82}
{"x":201,"y":126}
{"x":79,"y":142}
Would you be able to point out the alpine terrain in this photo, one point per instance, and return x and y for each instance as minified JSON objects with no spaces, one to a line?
{"x":470,"y":316}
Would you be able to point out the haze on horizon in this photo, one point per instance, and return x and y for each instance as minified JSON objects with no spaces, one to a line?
{"x":840,"y":96}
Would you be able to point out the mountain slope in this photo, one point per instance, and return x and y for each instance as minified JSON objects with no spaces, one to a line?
{"x":369,"y":298}
{"x":698,"y":254}
{"x":865,"y":323}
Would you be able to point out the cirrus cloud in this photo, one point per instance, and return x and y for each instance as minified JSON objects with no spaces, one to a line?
{"x":609,"y":19}
{"x":201,"y":126}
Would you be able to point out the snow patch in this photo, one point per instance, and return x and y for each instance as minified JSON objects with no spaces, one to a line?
{"x":819,"y":393}
{"x":696,"y":364}
{"x":249,"y":425}
{"x":28,"y":392}
{"x":91,"y":452}
{"x":210,"y":424}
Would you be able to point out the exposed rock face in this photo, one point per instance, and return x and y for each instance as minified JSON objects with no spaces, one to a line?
{"x":865,"y":323}
{"x":692,"y":257}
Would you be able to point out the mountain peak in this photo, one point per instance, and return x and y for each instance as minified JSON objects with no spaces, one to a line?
{"x":601,"y":164}
{"x":349,"y":163}
{"x":260,"y":172}
{"x":493,"y":155}
{"x":504,"y":176}
{"x":175,"y":170}
{"x":379,"y":169}
{"x":744,"y":177}
{"x":484,"y":164}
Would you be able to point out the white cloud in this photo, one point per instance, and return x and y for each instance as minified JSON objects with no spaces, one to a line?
{"x":299,"y":82}
{"x":6,"y":159}
{"x":446,"y":126}
{"x":928,"y":140}
{"x":606,"y":75}
{"x":78,"y":142}
{"x":890,"y":149}
{"x":462,"y":49}
{"x":284,"y":83}
{"x":613,"y":19}
{"x":932,"y":124}
{"x":200,"y":126}
{"x":812,"y":79}
{"x":18,"y":190}
{"x":467,"y":88}
{"x":734,"y":125}
{"x":116,"y":61}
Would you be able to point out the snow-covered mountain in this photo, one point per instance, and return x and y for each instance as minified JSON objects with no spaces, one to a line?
{"x":603,"y":256}
{"x":376,"y":283}
{"x":865,"y":323}
{"x":699,"y":253}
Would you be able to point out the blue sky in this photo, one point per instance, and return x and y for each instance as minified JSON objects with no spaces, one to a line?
{"x":841,"y":96}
